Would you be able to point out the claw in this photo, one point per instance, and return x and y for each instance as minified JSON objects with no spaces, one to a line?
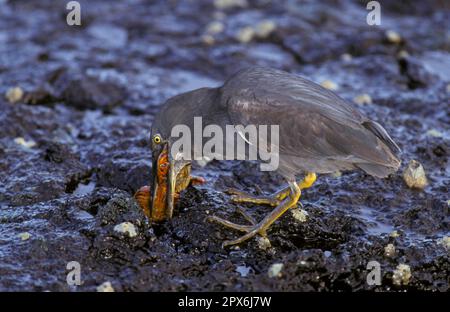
{"x":197,"y":180}
{"x":143,"y":197}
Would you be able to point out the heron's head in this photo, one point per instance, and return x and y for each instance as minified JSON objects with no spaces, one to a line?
{"x":170,"y":173}
{"x":169,"y":176}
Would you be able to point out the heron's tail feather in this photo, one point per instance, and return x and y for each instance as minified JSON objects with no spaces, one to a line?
{"x":391,"y":149}
{"x":379,"y":131}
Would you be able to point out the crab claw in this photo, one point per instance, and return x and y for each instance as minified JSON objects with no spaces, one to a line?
{"x":143,"y":197}
{"x":197,"y":180}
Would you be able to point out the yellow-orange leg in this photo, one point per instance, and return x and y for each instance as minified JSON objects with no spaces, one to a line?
{"x":289,"y":201}
{"x":273,"y":199}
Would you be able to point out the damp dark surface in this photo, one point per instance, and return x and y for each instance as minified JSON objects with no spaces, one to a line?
{"x":90,"y":94}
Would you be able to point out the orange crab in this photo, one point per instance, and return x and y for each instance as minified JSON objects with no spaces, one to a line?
{"x":155,"y":205}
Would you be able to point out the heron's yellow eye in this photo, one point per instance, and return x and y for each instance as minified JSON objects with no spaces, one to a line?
{"x":157,"y":139}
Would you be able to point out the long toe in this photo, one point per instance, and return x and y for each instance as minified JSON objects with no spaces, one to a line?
{"x":233,"y":191}
{"x":253,"y":199}
{"x":229,"y":224}
{"x":255,"y":231}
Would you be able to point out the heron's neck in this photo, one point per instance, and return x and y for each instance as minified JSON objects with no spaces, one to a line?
{"x":200,"y":103}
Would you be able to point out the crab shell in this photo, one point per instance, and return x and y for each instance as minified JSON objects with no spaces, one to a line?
{"x":144,"y":197}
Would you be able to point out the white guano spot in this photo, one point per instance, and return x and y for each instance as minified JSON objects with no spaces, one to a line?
{"x":263,"y":243}
{"x":27,"y":144}
{"x":245,"y":34}
{"x":265,"y":28}
{"x":389,"y":250}
{"x":414,"y":175}
{"x":435,"y":133}
{"x":126,"y":228}
{"x":228,"y":4}
{"x":394,"y":234}
{"x":14,"y":95}
{"x":215,"y":27}
{"x":445,"y":241}
{"x":393,"y":36}
{"x":363,"y":99}
{"x":402,"y":275}
{"x":330,"y":85}
{"x":300,"y":215}
{"x":24,"y":236}
{"x":105,"y":287}
{"x":275,"y":270}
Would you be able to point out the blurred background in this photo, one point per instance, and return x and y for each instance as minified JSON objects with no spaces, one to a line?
{"x":77,"y":103}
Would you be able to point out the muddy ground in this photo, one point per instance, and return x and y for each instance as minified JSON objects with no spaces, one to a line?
{"x":75,"y":146}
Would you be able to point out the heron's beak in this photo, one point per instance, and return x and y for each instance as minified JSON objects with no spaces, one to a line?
{"x":160,"y":185}
{"x":169,"y":177}
{"x":171,"y":182}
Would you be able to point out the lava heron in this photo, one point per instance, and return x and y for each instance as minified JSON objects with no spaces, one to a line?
{"x":319,"y":132}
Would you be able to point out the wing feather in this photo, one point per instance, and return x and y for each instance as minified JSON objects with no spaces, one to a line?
{"x":315,"y":123}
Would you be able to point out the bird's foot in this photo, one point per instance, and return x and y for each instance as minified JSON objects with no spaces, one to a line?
{"x":250,"y":230}
{"x":274,"y":199}
{"x":290,"y":200}
{"x":271,"y":200}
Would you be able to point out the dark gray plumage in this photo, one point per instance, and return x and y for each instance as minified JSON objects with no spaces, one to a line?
{"x":319,"y":131}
